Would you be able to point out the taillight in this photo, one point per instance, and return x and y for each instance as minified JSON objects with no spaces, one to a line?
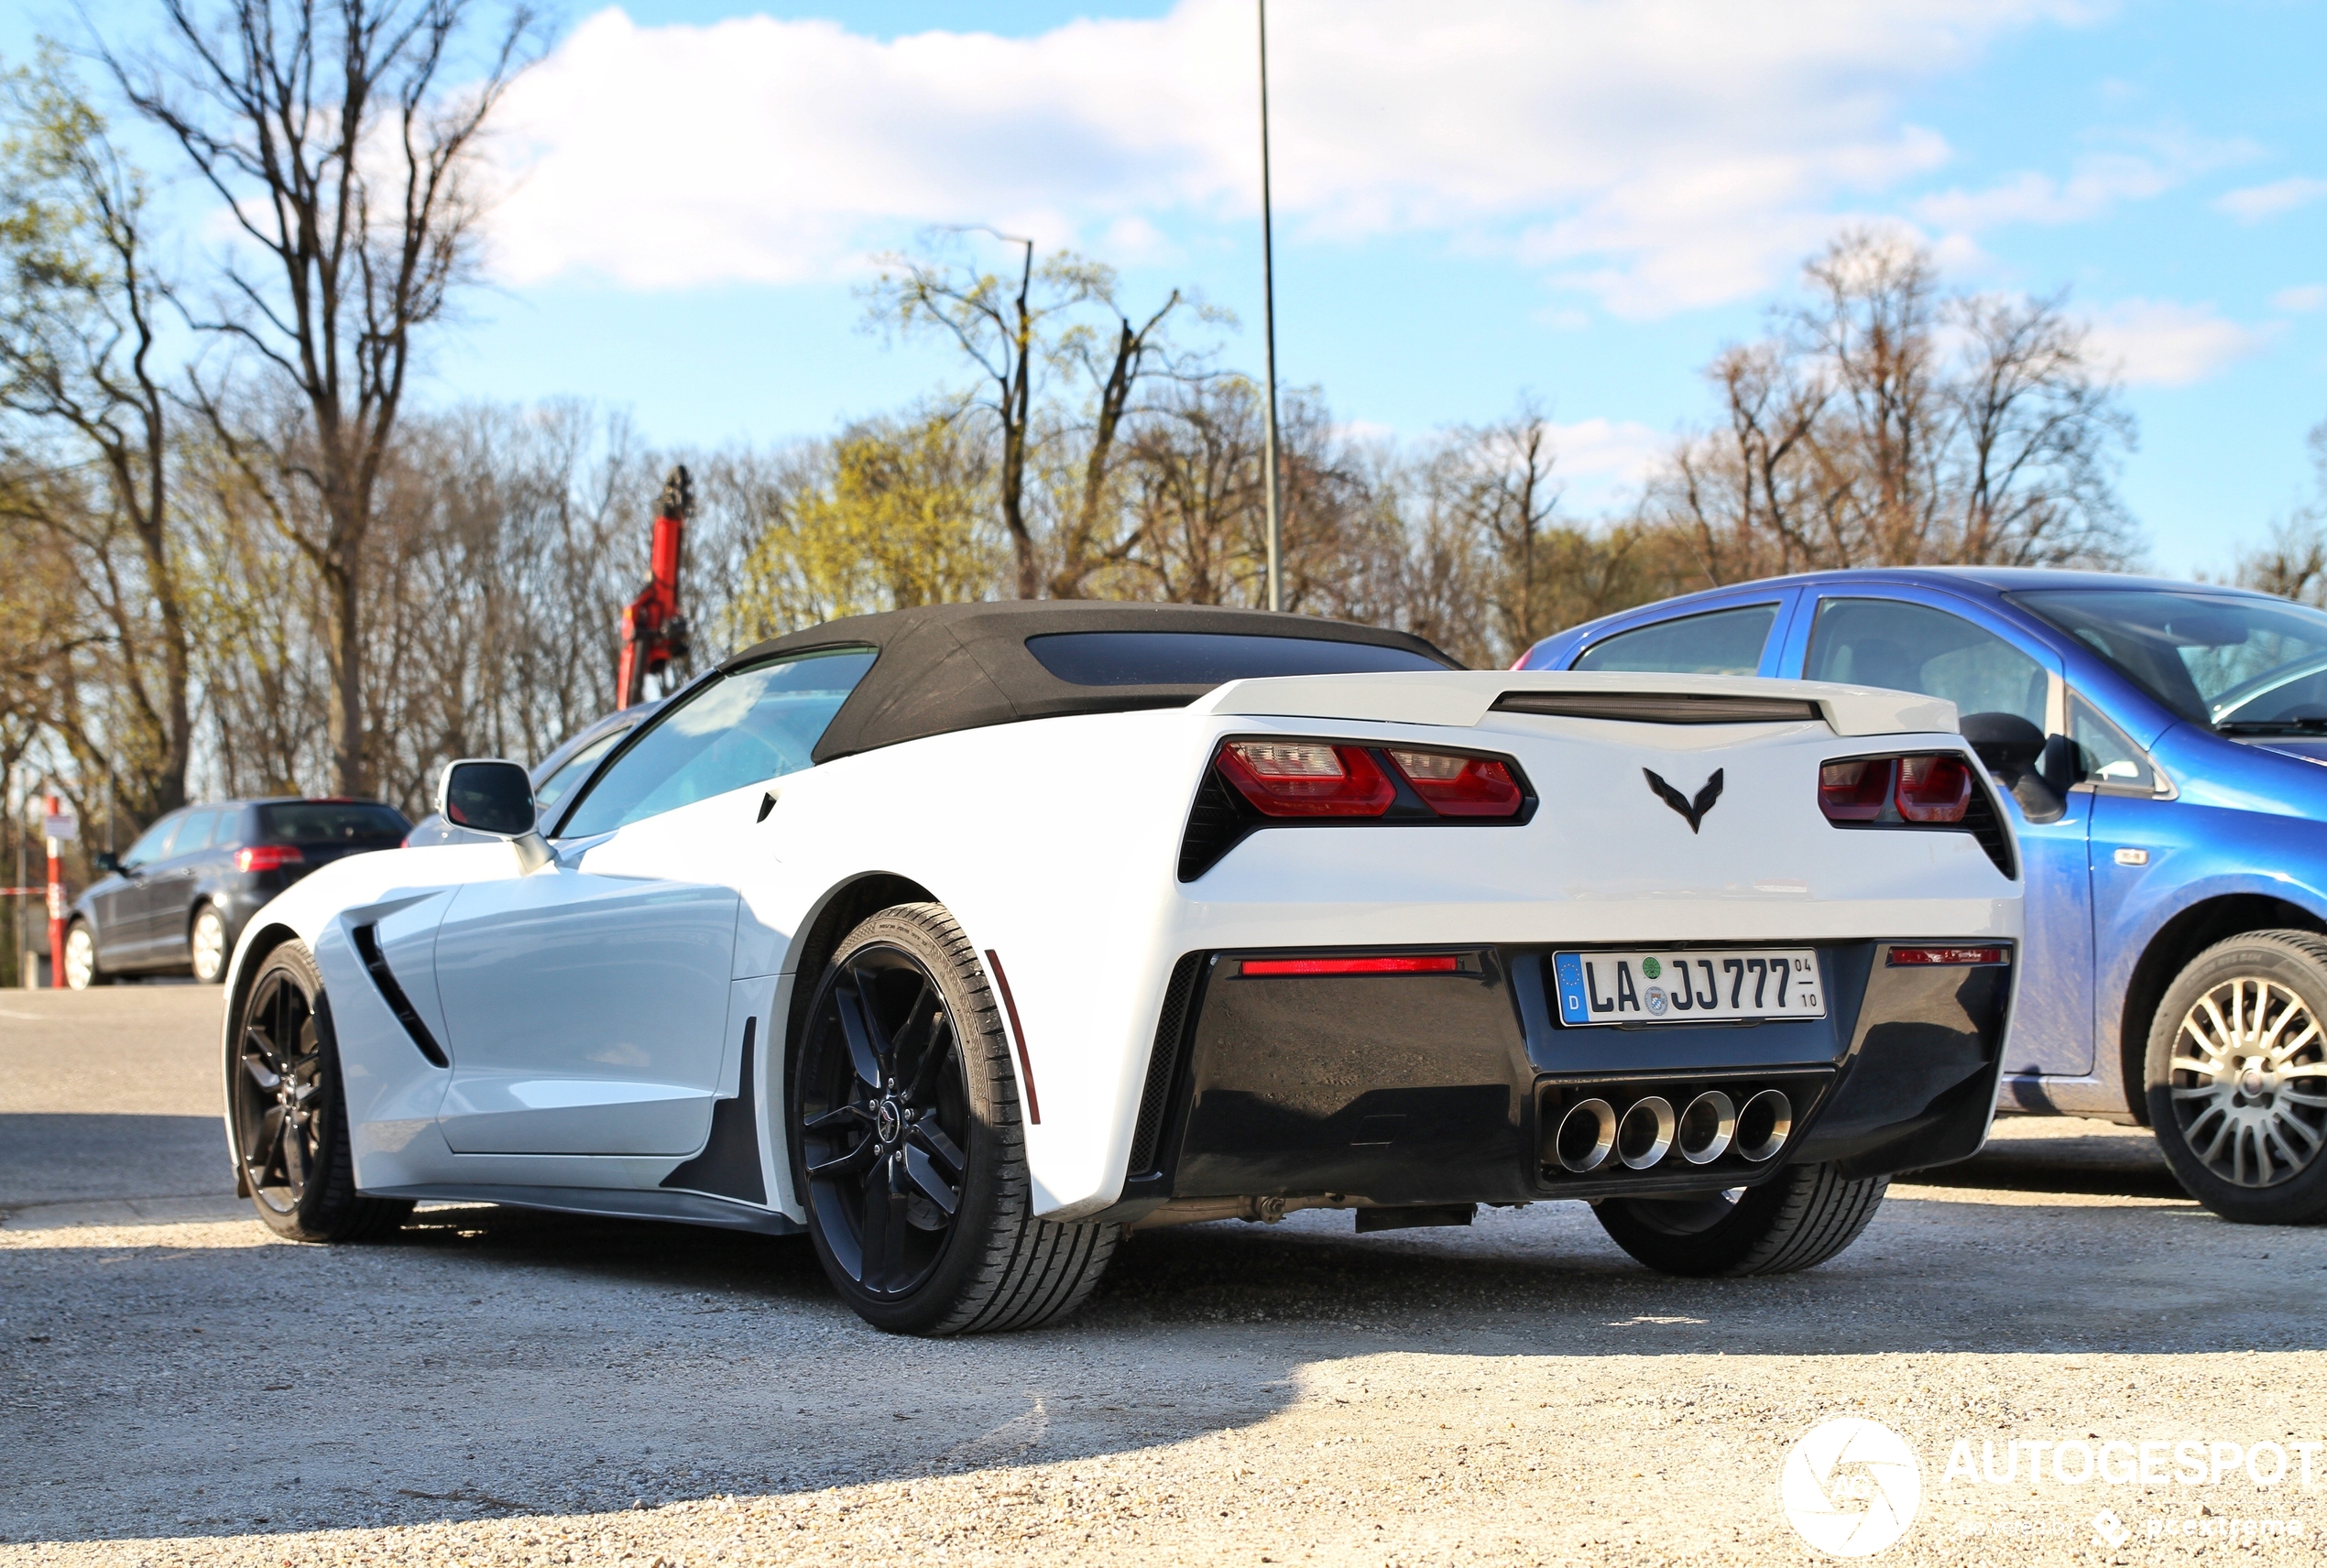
{"x":1458,"y":786}
{"x":1306,"y":779}
{"x":1400,"y":964}
{"x":1856,"y":790}
{"x":268,"y":857}
{"x":1933,"y":788}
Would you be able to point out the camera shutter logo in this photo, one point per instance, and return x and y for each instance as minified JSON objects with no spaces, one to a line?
{"x":1851,"y":1486}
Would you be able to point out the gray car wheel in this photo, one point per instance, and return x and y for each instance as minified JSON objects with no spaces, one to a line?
{"x":80,"y":958}
{"x":207,"y":945}
{"x":2237,"y":1078}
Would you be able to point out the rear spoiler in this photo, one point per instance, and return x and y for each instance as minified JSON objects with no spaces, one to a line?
{"x":1465,"y":697}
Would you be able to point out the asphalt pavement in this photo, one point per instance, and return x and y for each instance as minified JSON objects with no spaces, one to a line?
{"x":500,"y":1386}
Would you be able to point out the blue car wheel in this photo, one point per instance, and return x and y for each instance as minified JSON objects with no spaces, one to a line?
{"x":2237,"y":1078}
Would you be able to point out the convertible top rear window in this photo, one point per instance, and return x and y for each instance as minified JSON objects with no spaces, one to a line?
{"x":1209,"y":658}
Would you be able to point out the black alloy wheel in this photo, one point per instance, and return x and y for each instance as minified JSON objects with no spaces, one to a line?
{"x":277,"y":1122}
{"x":908,"y":1149}
{"x":289,"y":1117}
{"x":884,"y":1117}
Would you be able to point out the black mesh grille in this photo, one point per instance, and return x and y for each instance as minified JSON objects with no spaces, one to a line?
{"x":1213,"y":826}
{"x":1171,"y":1031}
{"x":1979,"y":820}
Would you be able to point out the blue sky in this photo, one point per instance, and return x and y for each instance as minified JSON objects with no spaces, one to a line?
{"x":1475,"y":196}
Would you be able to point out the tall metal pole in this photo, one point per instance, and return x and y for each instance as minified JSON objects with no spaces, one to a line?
{"x":1268,"y":334}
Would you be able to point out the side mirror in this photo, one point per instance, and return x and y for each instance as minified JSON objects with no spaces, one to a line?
{"x":2007,"y":743}
{"x":487,"y":796}
{"x":105,"y":860}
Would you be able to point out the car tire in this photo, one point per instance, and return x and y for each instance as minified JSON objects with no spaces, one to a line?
{"x":883,"y":1134}
{"x":2235,"y":1078}
{"x":1799,"y":1219}
{"x":82,"y":970}
{"x":206,"y":944}
{"x":287,"y":1112}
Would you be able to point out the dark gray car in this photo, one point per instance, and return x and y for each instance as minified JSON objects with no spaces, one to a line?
{"x":176,"y":900}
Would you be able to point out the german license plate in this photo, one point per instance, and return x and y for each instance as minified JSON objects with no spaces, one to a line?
{"x":1690,"y":986}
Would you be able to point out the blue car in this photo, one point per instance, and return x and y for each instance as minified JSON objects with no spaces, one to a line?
{"x":2164,"y":748}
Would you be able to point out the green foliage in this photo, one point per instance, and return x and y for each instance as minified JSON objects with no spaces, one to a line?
{"x":893,"y":513}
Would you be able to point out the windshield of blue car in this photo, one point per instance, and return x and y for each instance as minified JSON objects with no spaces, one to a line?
{"x":742,"y":727}
{"x":2235,"y":662}
{"x":2221,"y":659}
{"x":1201,"y":658}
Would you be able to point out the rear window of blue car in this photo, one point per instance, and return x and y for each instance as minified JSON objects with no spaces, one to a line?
{"x":1209,"y":658}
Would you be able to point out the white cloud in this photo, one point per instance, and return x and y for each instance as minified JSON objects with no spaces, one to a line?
{"x":1612,"y":452}
{"x":2161,"y":342}
{"x":2302,"y":300}
{"x":2255,"y":202}
{"x":1661,"y":153}
{"x":2098,"y":182}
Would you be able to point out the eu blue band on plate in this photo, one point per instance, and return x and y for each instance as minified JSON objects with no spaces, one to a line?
{"x":1568,"y":968}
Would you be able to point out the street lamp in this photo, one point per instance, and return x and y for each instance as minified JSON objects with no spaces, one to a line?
{"x":1268,"y":334}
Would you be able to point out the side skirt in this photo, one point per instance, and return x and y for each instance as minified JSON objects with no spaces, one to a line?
{"x":687,"y":1208}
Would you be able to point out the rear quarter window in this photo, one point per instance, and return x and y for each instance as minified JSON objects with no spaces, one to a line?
{"x":1719,"y":642}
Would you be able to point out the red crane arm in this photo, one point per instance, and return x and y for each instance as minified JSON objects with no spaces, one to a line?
{"x":655,"y":631}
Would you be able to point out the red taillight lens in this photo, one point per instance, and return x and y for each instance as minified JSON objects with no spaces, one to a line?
{"x":1306,"y":779}
{"x":1458,"y":786}
{"x":1934,"y":789}
{"x":1416,"y":964}
{"x":268,"y":857}
{"x":1857,"y":790}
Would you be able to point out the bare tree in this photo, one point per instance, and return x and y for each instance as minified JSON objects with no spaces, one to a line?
{"x":79,"y":374}
{"x":2294,"y":563}
{"x":1014,"y":334}
{"x":1886,"y":423}
{"x":346,"y":165}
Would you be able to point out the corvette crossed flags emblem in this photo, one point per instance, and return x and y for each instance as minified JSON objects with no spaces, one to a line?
{"x":1692,"y":811}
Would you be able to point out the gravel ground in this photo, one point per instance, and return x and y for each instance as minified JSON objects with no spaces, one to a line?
{"x":496,"y":1387}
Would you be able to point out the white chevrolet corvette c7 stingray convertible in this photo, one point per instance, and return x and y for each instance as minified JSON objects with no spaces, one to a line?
{"x":969,"y":938}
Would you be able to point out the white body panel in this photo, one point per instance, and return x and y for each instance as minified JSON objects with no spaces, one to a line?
{"x":1055,"y":844}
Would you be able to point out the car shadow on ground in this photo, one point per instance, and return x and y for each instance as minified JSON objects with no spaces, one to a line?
{"x":491,"y":1361}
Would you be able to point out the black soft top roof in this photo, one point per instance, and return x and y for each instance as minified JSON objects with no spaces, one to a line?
{"x":957,"y":667}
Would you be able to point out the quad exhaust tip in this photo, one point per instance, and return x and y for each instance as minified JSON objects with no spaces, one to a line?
{"x":1586,"y":1136}
{"x":1707,"y":1127}
{"x":1593,"y":1135}
{"x":1764,"y":1125}
{"x":1646,"y":1133}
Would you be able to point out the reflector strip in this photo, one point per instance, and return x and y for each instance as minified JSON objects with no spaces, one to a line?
{"x":1425,"y":963}
{"x":1018,"y":1036}
{"x":1906,"y":956}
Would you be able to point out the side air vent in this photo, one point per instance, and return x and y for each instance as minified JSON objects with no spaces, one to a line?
{"x":1979,"y":820}
{"x":1171,"y":1035}
{"x":367,"y":947}
{"x":1214,"y":827}
{"x":1661,"y":707}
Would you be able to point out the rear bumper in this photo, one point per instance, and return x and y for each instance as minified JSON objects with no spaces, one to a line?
{"x":1415,"y":1089}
